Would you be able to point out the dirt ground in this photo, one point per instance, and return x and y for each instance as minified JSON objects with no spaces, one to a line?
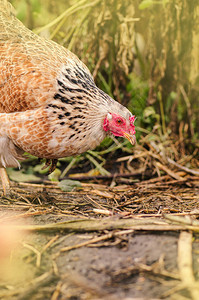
{"x":137,"y":241}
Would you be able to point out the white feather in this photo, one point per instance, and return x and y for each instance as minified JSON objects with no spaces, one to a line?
{"x":109,"y":116}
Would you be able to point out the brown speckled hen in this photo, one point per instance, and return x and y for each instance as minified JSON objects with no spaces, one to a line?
{"x":49,"y":103}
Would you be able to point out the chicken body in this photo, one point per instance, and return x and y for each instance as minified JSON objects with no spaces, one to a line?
{"x":49,"y":103}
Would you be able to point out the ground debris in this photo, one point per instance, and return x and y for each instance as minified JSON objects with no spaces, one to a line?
{"x":101,"y":242}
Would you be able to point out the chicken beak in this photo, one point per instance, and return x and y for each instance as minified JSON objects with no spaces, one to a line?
{"x":131,"y":138}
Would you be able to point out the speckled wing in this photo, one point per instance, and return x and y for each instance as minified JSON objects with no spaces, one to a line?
{"x":49,"y":103}
{"x":29,"y":64}
{"x":29,"y":70}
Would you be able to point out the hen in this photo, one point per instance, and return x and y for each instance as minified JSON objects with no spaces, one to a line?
{"x":49,"y":103}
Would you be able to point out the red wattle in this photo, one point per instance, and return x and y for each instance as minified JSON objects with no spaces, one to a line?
{"x":106,"y":124}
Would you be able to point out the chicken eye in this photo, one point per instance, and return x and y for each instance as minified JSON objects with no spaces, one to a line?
{"x":119,"y":121}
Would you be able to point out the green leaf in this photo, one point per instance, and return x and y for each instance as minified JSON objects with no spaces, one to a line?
{"x":19,"y":176}
{"x":40,"y":169}
{"x":54,"y":176}
{"x":68,"y":185}
{"x":145,"y":4}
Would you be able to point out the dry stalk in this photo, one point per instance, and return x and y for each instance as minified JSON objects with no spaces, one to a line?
{"x":185,"y":264}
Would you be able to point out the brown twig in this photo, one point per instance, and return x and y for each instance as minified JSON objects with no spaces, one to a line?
{"x":115,"y":175}
{"x":185,"y":264}
{"x":97,"y":239}
{"x":187,"y":170}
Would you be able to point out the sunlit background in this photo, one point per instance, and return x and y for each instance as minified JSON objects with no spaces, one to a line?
{"x":143,"y":53}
